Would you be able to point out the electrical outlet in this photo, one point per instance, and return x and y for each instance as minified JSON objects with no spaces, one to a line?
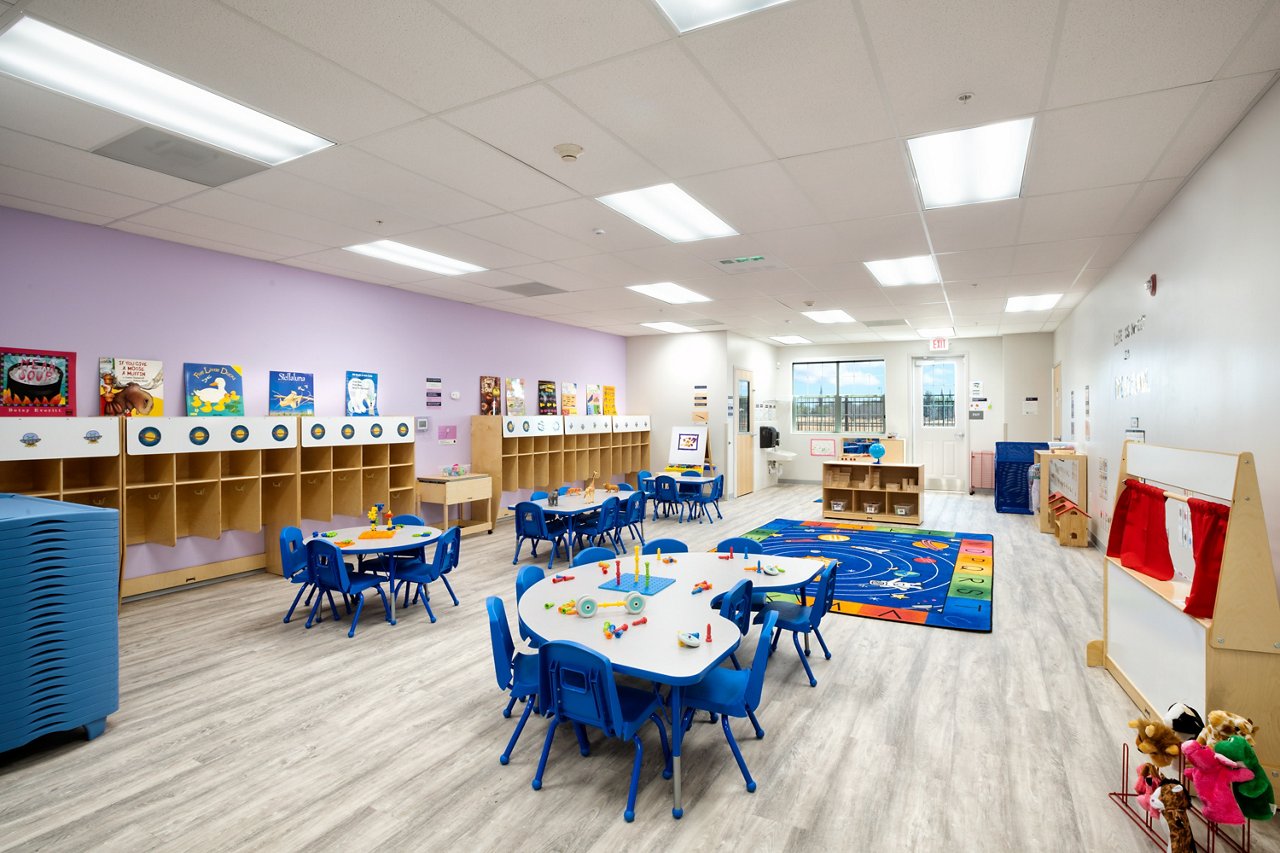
{"x":1133,"y":423}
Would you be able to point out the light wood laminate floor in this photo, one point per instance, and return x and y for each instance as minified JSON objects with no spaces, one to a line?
{"x":238,"y":732}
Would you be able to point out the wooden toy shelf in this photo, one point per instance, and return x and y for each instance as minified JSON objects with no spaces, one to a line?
{"x":472,"y":491}
{"x":849,"y":488}
{"x":1067,"y":474}
{"x":1161,"y":655}
{"x":547,"y":451}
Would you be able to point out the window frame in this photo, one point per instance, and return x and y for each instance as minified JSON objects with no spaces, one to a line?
{"x":837,"y":418}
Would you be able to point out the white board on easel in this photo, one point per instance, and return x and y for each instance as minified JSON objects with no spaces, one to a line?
{"x":688,"y":445}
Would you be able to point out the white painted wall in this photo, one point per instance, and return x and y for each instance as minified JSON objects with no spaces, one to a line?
{"x":1028,"y":372}
{"x":1209,"y":335}
{"x":762,"y":360}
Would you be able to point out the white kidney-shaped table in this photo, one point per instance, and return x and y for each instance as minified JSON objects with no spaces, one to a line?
{"x":405,"y":538}
{"x":653,"y":650}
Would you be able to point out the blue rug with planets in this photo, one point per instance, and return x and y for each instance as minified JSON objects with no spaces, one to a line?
{"x":922,"y":577}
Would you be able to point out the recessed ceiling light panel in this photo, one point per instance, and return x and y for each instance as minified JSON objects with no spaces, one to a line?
{"x":899,"y":271}
{"x":410,"y":256}
{"x":790,"y":339}
{"x":969,"y":166}
{"x":1042,"y":302}
{"x":835,"y":315}
{"x":690,"y":14}
{"x":673,"y":328}
{"x":669,"y":291}
{"x":32,"y":50}
{"x":669,"y":211}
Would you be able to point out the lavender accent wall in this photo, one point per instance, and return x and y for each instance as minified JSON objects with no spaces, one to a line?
{"x":96,"y":291}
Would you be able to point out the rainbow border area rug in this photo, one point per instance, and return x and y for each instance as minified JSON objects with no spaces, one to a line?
{"x":921,"y":577}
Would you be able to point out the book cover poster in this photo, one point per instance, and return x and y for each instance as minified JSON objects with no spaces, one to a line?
{"x":362,"y":393}
{"x":569,"y":398}
{"x":37,"y":382}
{"x":490,"y":395}
{"x":546,"y":397}
{"x":594,"y":405}
{"x":214,"y":389}
{"x":133,"y":387}
{"x":610,"y":400}
{"x":515,"y":397}
{"x":290,"y":393}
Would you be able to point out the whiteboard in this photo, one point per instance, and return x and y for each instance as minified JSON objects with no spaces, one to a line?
{"x":688,"y":445}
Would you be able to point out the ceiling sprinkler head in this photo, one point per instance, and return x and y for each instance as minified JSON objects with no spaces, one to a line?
{"x":568,"y":151}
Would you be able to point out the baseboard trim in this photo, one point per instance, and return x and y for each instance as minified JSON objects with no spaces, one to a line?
{"x":179,"y":578}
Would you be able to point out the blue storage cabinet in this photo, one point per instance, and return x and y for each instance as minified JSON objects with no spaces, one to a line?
{"x":59,"y":626}
{"x":1013,"y":459}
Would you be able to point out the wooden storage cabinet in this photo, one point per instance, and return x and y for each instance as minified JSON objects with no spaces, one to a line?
{"x":474,"y":491}
{"x":350,"y":464}
{"x":864,"y":491}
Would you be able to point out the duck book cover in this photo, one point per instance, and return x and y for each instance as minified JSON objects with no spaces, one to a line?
{"x":37,"y":382}
{"x":133,"y":387}
{"x":214,"y":389}
{"x":290,"y":393}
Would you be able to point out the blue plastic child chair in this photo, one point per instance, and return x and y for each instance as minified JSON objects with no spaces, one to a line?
{"x":517,"y":674}
{"x":421,"y":573}
{"x":330,"y":572}
{"x":525,"y":578}
{"x":594,"y":555}
{"x":804,"y":619}
{"x":603,"y":528}
{"x":739,"y":545}
{"x":667,"y":498}
{"x":293,"y":565}
{"x":666,"y":546}
{"x":532,"y":524}
{"x":632,"y":515}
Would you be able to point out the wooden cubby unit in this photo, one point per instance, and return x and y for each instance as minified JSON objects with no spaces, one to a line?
{"x":317,"y":459}
{"x":242,"y":504}
{"x":317,"y":495}
{"x":198,"y":510}
{"x":853,"y":486}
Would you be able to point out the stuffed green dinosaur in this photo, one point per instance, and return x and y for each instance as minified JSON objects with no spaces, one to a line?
{"x":1255,"y":797}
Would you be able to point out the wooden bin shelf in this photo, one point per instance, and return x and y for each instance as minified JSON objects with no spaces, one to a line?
{"x":865,"y":491}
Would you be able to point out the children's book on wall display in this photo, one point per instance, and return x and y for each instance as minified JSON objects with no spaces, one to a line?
{"x":515,"y":397}
{"x":290,"y":393}
{"x":133,"y":387}
{"x":214,"y":389}
{"x":37,"y":382}
{"x":546,"y":397}
{"x":594,"y":405}
{"x":490,"y":395}
{"x":569,"y":398}
{"x":610,"y":400}
{"x":362,"y":393}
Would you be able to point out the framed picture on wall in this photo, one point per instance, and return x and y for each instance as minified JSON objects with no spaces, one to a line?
{"x":822,"y":447}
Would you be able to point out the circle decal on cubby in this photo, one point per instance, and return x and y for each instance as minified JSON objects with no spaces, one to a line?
{"x":402,"y":430}
{"x":93,"y":436}
{"x":348,"y":431}
{"x":526,"y":426}
{"x":239,"y":433}
{"x":511,"y":426}
{"x":149,"y":436}
{"x":280,"y":432}
{"x":376,"y":430}
{"x":317,"y":431}
{"x":199,"y":436}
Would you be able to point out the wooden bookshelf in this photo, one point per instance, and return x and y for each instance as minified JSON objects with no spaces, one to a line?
{"x":349,"y":464}
{"x":856,"y":486}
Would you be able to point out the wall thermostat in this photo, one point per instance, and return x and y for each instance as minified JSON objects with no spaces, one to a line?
{"x":424,"y":424}
{"x":454,"y":395}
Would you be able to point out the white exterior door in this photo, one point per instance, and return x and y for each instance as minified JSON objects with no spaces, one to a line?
{"x":938,"y":426}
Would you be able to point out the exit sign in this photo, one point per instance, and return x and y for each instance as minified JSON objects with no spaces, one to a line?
{"x":939,"y":344}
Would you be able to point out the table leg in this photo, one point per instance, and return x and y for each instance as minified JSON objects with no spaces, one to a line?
{"x":391,"y":584}
{"x":677,"y":738}
{"x":568,"y":545}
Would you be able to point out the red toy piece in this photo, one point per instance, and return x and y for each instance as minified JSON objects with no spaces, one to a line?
{"x":559,"y":578}
{"x":708,"y":640}
{"x":642,"y":620}
{"x":700,"y":586}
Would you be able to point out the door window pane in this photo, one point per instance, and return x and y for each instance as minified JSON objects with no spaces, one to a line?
{"x":744,"y":405}
{"x":938,"y":401}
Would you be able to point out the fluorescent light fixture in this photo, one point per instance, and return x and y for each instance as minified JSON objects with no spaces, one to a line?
{"x":969,"y":166}
{"x":669,"y":327}
{"x":1032,"y":303}
{"x":669,"y":291}
{"x":670,"y":211}
{"x":790,"y":339}
{"x":38,"y":53}
{"x":917,"y":270}
{"x":835,"y":315}
{"x":939,"y":332}
{"x":691,"y":14}
{"x":399,"y":253}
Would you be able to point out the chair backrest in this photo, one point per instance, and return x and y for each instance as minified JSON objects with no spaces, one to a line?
{"x":324,"y":561}
{"x":717,"y":488}
{"x":594,"y":555}
{"x":825,"y":595}
{"x":531,"y":521}
{"x":608,"y":514}
{"x":626,"y":487}
{"x":419,"y":554}
{"x":755,"y":681}
{"x":578,"y":685}
{"x":408,"y":519}
{"x":527,"y":577}
{"x":740,"y":545}
{"x":538,"y":496}
{"x":670,"y":546}
{"x":690,"y":473}
{"x":641,"y":477}
{"x":665,"y":488}
{"x":293,"y":552}
{"x":736,"y":606}
{"x":563,"y":490}
{"x":447,"y":548}
{"x":500,"y":640}
{"x":634,"y":511}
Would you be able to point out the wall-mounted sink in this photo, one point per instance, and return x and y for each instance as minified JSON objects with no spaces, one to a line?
{"x":777,"y":454}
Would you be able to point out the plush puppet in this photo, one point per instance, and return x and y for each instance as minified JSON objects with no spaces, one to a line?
{"x":1213,"y":775}
{"x":1156,"y":740}
{"x":1172,"y":802}
{"x":1224,"y":724}
{"x":1184,"y":720}
{"x":1147,"y":783}
{"x":1255,"y":797}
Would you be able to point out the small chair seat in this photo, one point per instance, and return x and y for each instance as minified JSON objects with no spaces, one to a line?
{"x":525,"y":675}
{"x":792,"y":615}
{"x":717,"y":686}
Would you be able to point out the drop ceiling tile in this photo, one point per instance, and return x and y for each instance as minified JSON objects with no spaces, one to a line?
{"x":507,"y":229}
{"x":307,"y":262}
{"x":210,"y":228}
{"x":1025,"y":326}
{"x":881,"y":238}
{"x":1147,"y":204}
{"x":985,"y":289}
{"x":283,"y":188}
{"x":915,"y":294}
{"x":772,"y":283}
{"x":976,"y":263}
{"x":528,"y":307}
{"x":1083,"y":284}
{"x":754,"y":198}
{"x":1039,"y":283}
{"x":462,"y":291}
{"x":445,"y":154}
{"x":814,"y":245}
{"x":661,"y":105}
{"x":899,"y":335}
{"x":1108,"y":143}
{"x":746,"y":306}
{"x":1260,"y":50}
{"x":1149,"y":45}
{"x":1223,"y":104}
{"x":666,"y":263}
{"x":407,"y":47}
{"x":1068,"y":255}
{"x":222,"y":50}
{"x":851,"y":278}
{"x":47,"y":115}
{"x":53,"y":210}
{"x":1111,"y":250}
{"x":528,"y":123}
{"x":974,"y":226}
{"x":194,"y":240}
{"x":492,"y":279}
{"x":221,"y":204}
{"x":606,"y":269}
{"x":578,"y":219}
{"x":931,"y":52}
{"x":724,"y":248}
{"x":461,"y":246}
{"x":801,"y":76}
{"x":54,"y":160}
{"x":974,"y":309}
{"x":60,"y":193}
{"x":559,"y":276}
{"x":1066,"y":216}
{"x":860,"y":182}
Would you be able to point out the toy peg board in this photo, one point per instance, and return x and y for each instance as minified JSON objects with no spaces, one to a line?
{"x":629,"y":584}
{"x":378,"y":534}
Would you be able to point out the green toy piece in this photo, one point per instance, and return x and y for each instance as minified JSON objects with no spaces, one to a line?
{"x":1256,"y":796}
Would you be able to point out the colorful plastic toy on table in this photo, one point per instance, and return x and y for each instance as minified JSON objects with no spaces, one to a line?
{"x":699,"y":587}
{"x":569,"y":608}
{"x":562,"y":578}
{"x":587,"y":604}
{"x":604,"y":568}
{"x":689,"y":639}
{"x":708,"y":637}
{"x":375,"y":512}
{"x":342,"y":543}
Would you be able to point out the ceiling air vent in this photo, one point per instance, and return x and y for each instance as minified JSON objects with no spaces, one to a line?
{"x":530,"y":288}
{"x":180,"y":157}
{"x":880,"y":324}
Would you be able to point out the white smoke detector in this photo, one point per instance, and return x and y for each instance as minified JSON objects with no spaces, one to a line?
{"x":568,"y":151}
